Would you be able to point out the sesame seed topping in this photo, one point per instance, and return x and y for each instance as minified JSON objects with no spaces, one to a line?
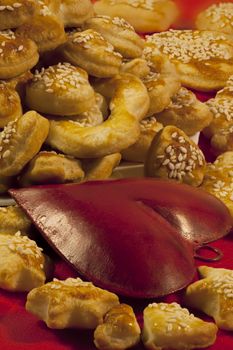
{"x":145,"y":4}
{"x":221,"y":107}
{"x":220,"y":14}
{"x":188,"y":45}
{"x":69,"y":282}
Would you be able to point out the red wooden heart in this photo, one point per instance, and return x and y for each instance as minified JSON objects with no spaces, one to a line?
{"x":132,"y":236}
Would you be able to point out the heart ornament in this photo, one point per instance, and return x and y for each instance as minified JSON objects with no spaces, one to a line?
{"x":135,"y":237}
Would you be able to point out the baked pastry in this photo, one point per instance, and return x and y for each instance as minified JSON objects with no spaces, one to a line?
{"x":218,"y":17}
{"x":19,"y":83}
{"x":21,"y":263}
{"x":14,"y":13}
{"x":149,"y":127}
{"x":20,"y":141}
{"x":46,"y":28}
{"x":218,"y":179}
{"x":222,"y":141}
{"x":10,"y":105}
{"x":71,"y":303}
{"x":49,"y":167}
{"x":136,"y":66}
{"x":144,"y":15}
{"x":17,"y":55}
{"x":120,"y":329}
{"x":186,"y":112}
{"x":213,"y":295}
{"x":173,"y":155}
{"x":128,"y":105}
{"x":203,"y":59}
{"x":75,"y":12}
{"x":100,"y":168}
{"x":119,"y":33}
{"x":60,"y":90}
{"x":12,"y":220}
{"x":162,"y":82}
{"x":90,"y":51}
{"x":169,"y":326}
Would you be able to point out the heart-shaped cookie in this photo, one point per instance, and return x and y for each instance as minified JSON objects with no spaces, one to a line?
{"x":135,"y":237}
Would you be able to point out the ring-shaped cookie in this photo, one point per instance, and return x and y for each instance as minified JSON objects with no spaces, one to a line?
{"x":20,"y":141}
{"x":203,"y":59}
{"x":128,"y":105}
{"x":90,"y":51}
{"x":119,"y":33}
{"x":146,"y":16}
{"x":60,"y":90}
{"x":15,"y":13}
{"x":17,"y":55}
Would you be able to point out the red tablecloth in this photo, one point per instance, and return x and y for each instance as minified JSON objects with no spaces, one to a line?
{"x":21,"y":331}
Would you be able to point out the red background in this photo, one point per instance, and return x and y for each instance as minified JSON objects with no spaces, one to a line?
{"x":21,"y":331}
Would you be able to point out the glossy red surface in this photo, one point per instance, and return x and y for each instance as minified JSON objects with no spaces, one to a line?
{"x":134,"y":237}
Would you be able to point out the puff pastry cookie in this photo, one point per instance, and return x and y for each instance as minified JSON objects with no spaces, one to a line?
{"x":10,"y":105}
{"x":186,"y":112}
{"x":17,"y":55}
{"x":100,"y":168}
{"x":20,"y":141}
{"x":162,"y":82}
{"x":213,"y":295}
{"x":12,"y":220}
{"x":14,"y":13}
{"x":46,"y":29}
{"x":149,"y":127}
{"x":49,"y":167}
{"x":60,"y":90}
{"x":71,"y":303}
{"x":75,"y":12}
{"x":173,"y":155}
{"x":218,"y":179}
{"x":21,"y":263}
{"x":120,"y":329}
{"x":217,"y":17}
{"x":119,"y":33}
{"x":136,"y":66}
{"x":128,"y":106}
{"x":203,"y":59}
{"x":144,"y":15}
{"x":169,"y":326}
{"x":19,"y":83}
{"x":90,"y":51}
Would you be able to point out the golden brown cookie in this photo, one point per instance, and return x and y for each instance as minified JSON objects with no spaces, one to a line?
{"x":50,"y":167}
{"x":144,"y":15}
{"x":15,"y":13}
{"x":218,"y":17}
{"x":12,"y":220}
{"x":203,"y":59}
{"x":90,"y":51}
{"x":20,"y":141}
{"x":136,"y":66}
{"x":75,"y":12}
{"x":149,"y":127}
{"x":128,"y":106}
{"x":21,"y":263}
{"x":17,"y":55}
{"x":119,"y":33}
{"x":218,"y":179}
{"x":169,"y":326}
{"x":100,"y":168}
{"x":10,"y":105}
{"x":60,"y":90}
{"x":19,"y":83}
{"x":186,"y":112}
{"x":213,"y":295}
{"x":119,"y":331}
{"x":46,"y":29}
{"x":162,"y":82}
{"x":173,"y":155}
{"x":71,"y":303}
